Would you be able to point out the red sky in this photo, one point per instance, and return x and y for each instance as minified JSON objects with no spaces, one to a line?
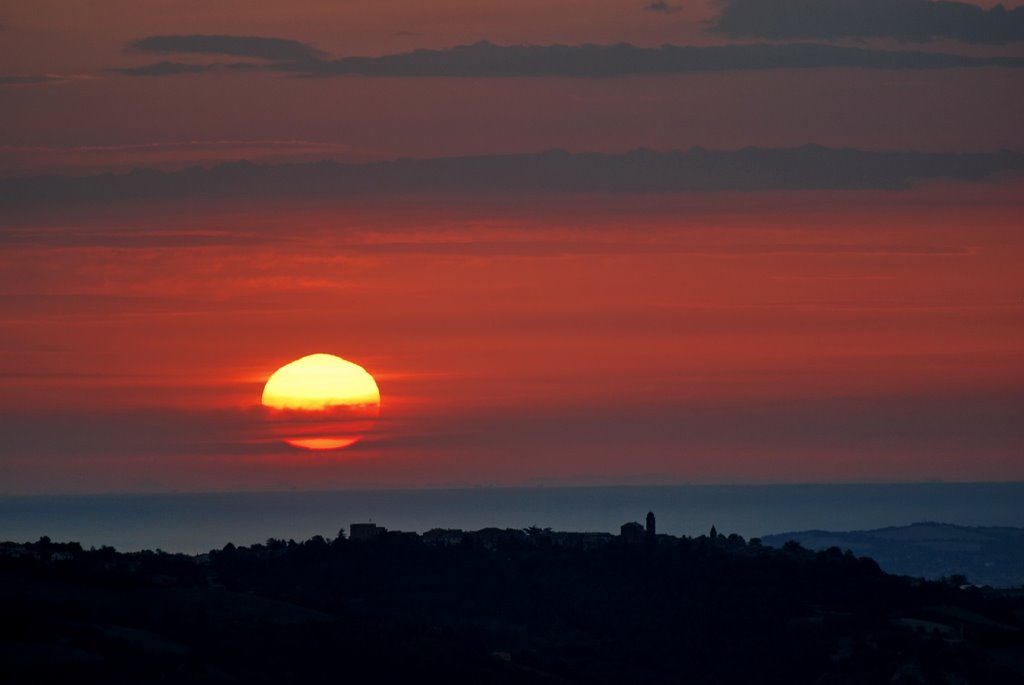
{"x":518,"y":338}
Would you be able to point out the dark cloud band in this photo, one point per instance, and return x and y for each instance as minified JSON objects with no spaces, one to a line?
{"x":177,"y":68}
{"x":489,"y":60}
{"x":486,"y":60}
{"x":695,"y":170}
{"x":902,"y":19}
{"x":166,"y":69}
{"x":238,"y":46}
{"x":662,"y":7}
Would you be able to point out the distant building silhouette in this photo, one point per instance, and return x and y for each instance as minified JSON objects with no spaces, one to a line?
{"x":632,"y":532}
{"x":365,"y":531}
{"x":650,"y":523}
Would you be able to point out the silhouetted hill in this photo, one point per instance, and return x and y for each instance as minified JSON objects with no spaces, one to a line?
{"x":985,"y":555}
{"x":494,"y":606}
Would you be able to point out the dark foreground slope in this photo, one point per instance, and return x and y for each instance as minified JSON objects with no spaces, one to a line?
{"x":497,"y":607}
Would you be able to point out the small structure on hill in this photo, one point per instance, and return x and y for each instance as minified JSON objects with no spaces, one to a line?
{"x":632,"y":532}
{"x":365,"y":531}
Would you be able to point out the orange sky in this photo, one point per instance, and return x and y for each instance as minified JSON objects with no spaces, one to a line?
{"x":558,"y":340}
{"x":766,"y":336}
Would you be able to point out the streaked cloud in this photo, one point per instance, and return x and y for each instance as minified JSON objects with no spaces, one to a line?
{"x":487,"y":60}
{"x":809,"y":167}
{"x":916,"y":20}
{"x":166,"y":69}
{"x":176,"y":68}
{"x":23,"y":160}
{"x":886,"y":435}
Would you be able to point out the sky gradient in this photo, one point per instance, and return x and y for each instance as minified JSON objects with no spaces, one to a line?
{"x":821,"y":284}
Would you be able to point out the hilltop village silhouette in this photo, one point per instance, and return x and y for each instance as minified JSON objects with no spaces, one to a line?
{"x":630,"y":532}
{"x":496,"y":606}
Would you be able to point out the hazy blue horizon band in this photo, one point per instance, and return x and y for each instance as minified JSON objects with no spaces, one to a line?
{"x":198,"y":522}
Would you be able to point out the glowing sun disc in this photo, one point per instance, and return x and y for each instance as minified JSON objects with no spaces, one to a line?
{"x":321,"y":402}
{"x":322,"y":443}
{"x":318,"y":381}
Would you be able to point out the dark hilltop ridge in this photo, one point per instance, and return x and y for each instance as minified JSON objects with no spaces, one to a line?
{"x":496,"y":606}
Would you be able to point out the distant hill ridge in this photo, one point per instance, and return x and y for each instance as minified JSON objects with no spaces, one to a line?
{"x":986,"y":555}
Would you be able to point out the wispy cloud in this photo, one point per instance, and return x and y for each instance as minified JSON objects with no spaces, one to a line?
{"x":903,"y":19}
{"x":662,"y":7}
{"x":191,"y":144}
{"x":260,"y":47}
{"x":32,"y":80}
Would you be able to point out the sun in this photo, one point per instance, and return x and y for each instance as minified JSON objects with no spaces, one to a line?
{"x":321,"y":402}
